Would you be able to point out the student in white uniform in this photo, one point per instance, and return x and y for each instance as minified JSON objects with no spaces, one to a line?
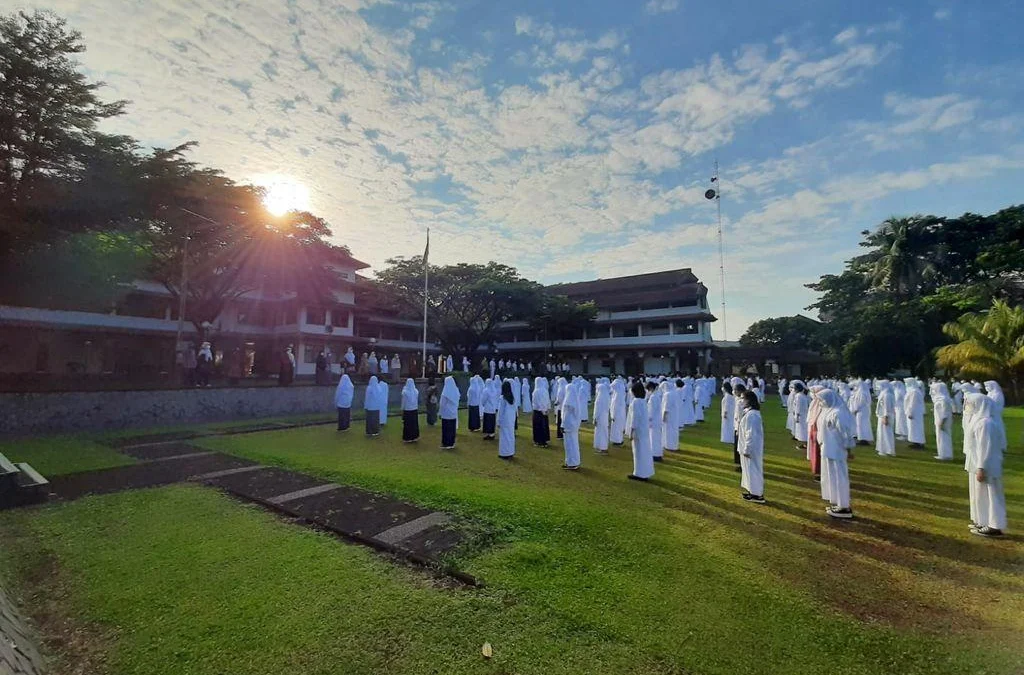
{"x":835,"y":434}
{"x":602,"y":417}
{"x":669,"y":416}
{"x":643,"y":460}
{"x":751,"y":449}
{"x":913,"y":408}
{"x":617,"y":429}
{"x":885,"y":410}
{"x":985,"y":465}
{"x":654,"y":428}
{"x":726,"y":434}
{"x":507,"y":410}
{"x":942,"y":412}
{"x":571,"y":427}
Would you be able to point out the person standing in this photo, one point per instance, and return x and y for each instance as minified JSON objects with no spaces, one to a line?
{"x":473,"y":396}
{"x":524,"y":396}
{"x":899,"y":393}
{"x":638,"y":423}
{"x":617,"y":413}
{"x":751,"y":447}
{"x":602,"y":417}
{"x":321,"y":368}
{"x":668,"y":416}
{"x":507,"y":414}
{"x":373,"y":364}
{"x":571,"y":419}
{"x":541,"y":406}
{"x":726,"y":434}
{"x":384,"y":401}
{"x":885,"y":410}
{"x":343,"y":402}
{"x":449,"y":410}
{"x":489,"y":407}
{"x":433,"y":400}
{"x":410,"y":412}
{"x":988,"y":443}
{"x":835,"y":436}
{"x":560,"y":386}
{"x":802,"y":404}
{"x":942,"y":409}
{"x":396,"y":367}
{"x":860,"y":406}
{"x":654,"y":418}
{"x":204,"y":365}
{"x":913,"y":407}
{"x":372,"y":406}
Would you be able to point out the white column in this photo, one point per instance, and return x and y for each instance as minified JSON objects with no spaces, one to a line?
{"x":302,"y":316}
{"x":611,"y":331}
{"x":639,"y":333}
{"x":327,"y":317}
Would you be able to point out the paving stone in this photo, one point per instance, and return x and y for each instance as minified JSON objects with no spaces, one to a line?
{"x":395,"y":534}
{"x":162,"y":450}
{"x":263,"y":485}
{"x":150,"y":474}
{"x":355,"y":512}
{"x":432,"y":542}
{"x":300,"y":494}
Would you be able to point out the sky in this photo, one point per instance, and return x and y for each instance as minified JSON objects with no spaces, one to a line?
{"x":575,"y":139}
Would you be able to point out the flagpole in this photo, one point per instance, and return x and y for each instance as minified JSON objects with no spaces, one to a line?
{"x":426,"y":288}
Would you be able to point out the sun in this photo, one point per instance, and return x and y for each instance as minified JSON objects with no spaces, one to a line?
{"x":284,"y":194}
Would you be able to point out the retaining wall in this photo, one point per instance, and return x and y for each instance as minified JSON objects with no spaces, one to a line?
{"x":18,"y":652}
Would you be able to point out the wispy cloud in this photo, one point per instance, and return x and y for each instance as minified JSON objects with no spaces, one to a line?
{"x":661,"y":6}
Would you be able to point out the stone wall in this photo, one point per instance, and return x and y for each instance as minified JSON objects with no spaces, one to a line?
{"x":18,"y":653}
{"x":57,"y":412}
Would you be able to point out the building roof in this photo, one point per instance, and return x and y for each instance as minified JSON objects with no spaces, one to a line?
{"x":680,"y":285}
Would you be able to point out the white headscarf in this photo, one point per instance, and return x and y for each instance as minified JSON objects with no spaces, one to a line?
{"x":410,"y":396}
{"x":450,"y":390}
{"x":541,"y":395}
{"x":344,"y":393}
{"x":374,"y":396}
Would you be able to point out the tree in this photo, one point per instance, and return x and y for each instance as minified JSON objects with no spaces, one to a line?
{"x":989,"y":345}
{"x":904,"y":257}
{"x":559,"y":316}
{"x":230,"y":243}
{"x":466,"y":302}
{"x":48,"y":110}
{"x":786,"y":332}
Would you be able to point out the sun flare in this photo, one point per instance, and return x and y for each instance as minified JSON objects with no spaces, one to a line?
{"x":285,"y":194}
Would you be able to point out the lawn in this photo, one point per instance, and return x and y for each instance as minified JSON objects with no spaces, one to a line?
{"x":585,"y":572}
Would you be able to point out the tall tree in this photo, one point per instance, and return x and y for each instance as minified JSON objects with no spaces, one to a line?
{"x":466,"y":302}
{"x":787,"y":332}
{"x":904,"y":257}
{"x":48,"y":109}
{"x":989,"y":345}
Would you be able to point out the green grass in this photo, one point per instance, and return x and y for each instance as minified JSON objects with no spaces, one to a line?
{"x":55,"y":455}
{"x":586,"y":572}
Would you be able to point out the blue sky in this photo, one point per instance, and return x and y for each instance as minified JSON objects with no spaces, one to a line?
{"x":575,"y":139}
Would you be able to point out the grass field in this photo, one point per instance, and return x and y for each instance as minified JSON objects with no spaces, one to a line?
{"x":585,"y":572}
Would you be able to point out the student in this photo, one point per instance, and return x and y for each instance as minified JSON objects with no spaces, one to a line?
{"x":384,"y":402}
{"x":602,"y":417}
{"x":343,"y":402}
{"x":900,"y":392}
{"x":372,"y":405}
{"x":507,"y":421}
{"x":655,"y":400}
{"x":942,"y":408}
{"x":668,"y":417}
{"x":560,"y":386}
{"x":638,"y":423}
{"x":541,"y":405}
{"x":860,"y":406}
{"x":449,"y":410}
{"x":571,"y":419}
{"x":835,"y":434}
{"x":524,"y":396}
{"x":802,"y":404}
{"x":433,"y":398}
{"x":751,"y":448}
{"x":913,"y":407}
{"x":738,"y":388}
{"x":985,"y":465}
{"x":410,"y":412}
{"x":726,"y":435}
{"x":813,"y":444}
{"x":473,"y":395}
{"x":885,"y":410}
{"x":617,"y":412}
{"x":489,"y":407}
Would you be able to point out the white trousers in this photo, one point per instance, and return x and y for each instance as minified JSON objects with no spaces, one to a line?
{"x":991,"y":501}
{"x":972,"y":497}
{"x":839,"y":483}
{"x":571,"y":441}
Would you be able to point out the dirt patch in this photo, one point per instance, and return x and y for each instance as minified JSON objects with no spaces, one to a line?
{"x":136,"y":476}
{"x":71,"y":646}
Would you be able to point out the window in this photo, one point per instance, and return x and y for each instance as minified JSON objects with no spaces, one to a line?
{"x":687,"y":327}
{"x":656,"y":329}
{"x":625,"y":330}
{"x":316,"y":316}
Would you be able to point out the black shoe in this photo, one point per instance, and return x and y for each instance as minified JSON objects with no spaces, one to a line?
{"x":746,"y":496}
{"x":863,"y":443}
{"x":642,"y":480}
{"x":659,"y":459}
{"x":840,"y":513}
{"x":571,"y":468}
{"x":507,"y":459}
{"x":757,"y":499}
{"x":987,"y":532}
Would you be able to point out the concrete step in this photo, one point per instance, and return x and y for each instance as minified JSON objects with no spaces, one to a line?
{"x":29,"y":487}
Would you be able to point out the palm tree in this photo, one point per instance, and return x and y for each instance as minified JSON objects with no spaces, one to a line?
{"x":989,"y":345}
{"x":905,"y":255}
